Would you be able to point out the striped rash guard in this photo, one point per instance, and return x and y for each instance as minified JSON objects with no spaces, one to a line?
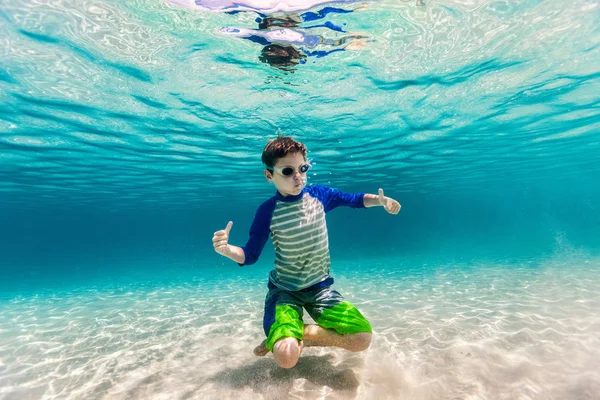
{"x":298,"y":231}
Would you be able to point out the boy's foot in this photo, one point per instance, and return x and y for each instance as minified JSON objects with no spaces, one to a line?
{"x":261,"y":350}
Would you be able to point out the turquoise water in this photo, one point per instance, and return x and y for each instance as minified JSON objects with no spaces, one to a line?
{"x":130,"y":132}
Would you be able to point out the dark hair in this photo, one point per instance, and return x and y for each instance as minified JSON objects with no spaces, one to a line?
{"x":279,"y":148}
{"x":282,"y":57}
{"x":282,"y":22}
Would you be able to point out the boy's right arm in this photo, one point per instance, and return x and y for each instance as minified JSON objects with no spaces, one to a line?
{"x":222,"y":246}
{"x":259,"y":234}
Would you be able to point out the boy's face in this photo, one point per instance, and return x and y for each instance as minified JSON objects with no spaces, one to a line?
{"x":291,"y":185}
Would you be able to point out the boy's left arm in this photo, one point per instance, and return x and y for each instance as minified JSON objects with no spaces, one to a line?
{"x":390,"y":205}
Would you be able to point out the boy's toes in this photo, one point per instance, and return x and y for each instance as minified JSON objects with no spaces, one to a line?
{"x":261,"y":350}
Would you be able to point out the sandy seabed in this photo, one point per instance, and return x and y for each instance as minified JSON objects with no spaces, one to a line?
{"x":483,"y":331}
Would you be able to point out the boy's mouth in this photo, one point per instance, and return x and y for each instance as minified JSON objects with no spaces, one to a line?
{"x":300,"y":183}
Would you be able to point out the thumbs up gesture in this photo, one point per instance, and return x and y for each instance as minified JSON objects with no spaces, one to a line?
{"x":221,"y":239}
{"x":390,"y":205}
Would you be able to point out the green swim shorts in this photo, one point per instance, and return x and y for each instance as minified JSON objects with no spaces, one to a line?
{"x":284,"y":311}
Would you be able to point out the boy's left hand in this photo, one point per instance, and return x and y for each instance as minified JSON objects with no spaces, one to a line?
{"x":390,"y":205}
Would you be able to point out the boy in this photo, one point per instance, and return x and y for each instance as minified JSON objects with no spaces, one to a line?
{"x":287,"y":43}
{"x":295,"y":220}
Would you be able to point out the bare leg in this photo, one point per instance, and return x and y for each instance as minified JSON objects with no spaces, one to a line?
{"x":314,"y":335}
{"x":287,"y":351}
{"x":261,"y":350}
{"x":290,"y":348}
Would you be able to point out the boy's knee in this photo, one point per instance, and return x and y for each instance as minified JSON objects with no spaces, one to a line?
{"x":287,"y":361}
{"x":361,"y":341}
{"x":286,"y":352}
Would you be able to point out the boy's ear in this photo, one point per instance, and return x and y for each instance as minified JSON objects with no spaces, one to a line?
{"x":268,"y":175}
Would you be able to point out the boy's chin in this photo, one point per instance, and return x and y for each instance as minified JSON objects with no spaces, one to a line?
{"x":296,"y":190}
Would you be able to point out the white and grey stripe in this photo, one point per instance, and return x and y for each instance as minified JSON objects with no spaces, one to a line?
{"x":299,"y":234}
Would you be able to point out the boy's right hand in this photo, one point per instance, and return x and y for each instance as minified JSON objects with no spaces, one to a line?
{"x":221,"y":239}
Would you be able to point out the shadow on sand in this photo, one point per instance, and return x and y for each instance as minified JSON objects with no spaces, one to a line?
{"x":268,"y":379}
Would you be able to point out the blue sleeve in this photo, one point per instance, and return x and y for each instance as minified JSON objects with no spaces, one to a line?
{"x":259,"y":232}
{"x":320,"y":53}
{"x":258,"y":39}
{"x":332,"y":198}
{"x":327,"y":24}
{"x":313,"y":16}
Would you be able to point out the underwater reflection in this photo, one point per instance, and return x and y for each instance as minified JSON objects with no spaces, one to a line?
{"x":289,"y":39}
